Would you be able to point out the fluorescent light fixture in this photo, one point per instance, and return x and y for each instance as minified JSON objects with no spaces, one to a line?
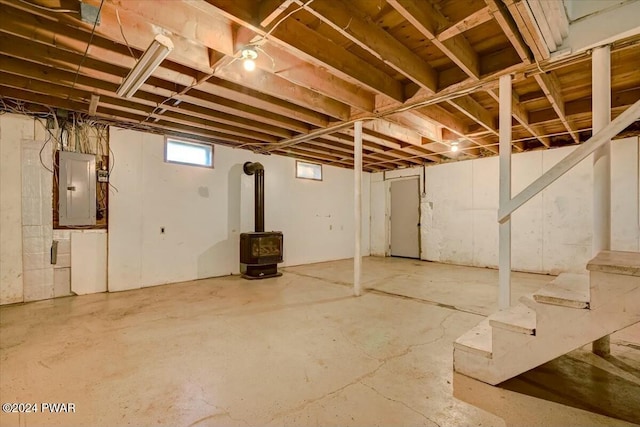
{"x":148,"y":62}
{"x":454,"y":146}
{"x":249,"y":55}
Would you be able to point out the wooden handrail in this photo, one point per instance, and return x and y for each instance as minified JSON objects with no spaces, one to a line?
{"x":596,"y":141}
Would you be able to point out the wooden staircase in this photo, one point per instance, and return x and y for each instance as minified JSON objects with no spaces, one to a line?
{"x":571,"y":311}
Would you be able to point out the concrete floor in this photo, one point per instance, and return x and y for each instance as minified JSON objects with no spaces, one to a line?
{"x":297,"y":350}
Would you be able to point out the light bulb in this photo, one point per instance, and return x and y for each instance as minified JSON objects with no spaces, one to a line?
{"x":249,"y":64}
{"x":454,"y":148}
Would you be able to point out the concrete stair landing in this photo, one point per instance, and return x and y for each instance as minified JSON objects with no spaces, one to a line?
{"x":569,"y":312}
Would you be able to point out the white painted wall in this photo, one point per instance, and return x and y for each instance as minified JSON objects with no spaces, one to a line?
{"x":18,"y":132}
{"x":205,"y":210}
{"x":13,"y":129}
{"x":551,"y":232}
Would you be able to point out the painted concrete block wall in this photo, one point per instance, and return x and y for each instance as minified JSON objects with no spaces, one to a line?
{"x":448,"y":237}
{"x":551,"y":233}
{"x":567,"y":208}
{"x":62,"y":267}
{"x":203,"y":212}
{"x":37,"y":222}
{"x":12,"y":130}
{"x":88,"y":262}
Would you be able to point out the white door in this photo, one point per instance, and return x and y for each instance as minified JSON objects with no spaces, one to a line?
{"x":405,"y":218}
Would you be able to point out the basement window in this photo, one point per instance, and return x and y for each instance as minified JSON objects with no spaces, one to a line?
{"x":188,"y":153}
{"x":307,"y":170}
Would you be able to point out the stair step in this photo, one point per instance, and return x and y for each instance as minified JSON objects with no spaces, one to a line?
{"x":477,"y":340}
{"x":567,"y":290}
{"x":518,"y":318}
{"x":616,"y":262}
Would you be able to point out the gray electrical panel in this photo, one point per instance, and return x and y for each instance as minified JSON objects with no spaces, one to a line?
{"x":77,"y":189}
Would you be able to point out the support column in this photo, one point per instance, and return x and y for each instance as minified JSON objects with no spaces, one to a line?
{"x":357,"y":205}
{"x":504,"y":275}
{"x":601,"y":113}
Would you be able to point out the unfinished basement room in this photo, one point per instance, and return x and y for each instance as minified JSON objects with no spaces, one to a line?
{"x":320,"y":213}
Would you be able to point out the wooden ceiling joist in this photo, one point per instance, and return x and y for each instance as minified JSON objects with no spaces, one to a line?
{"x":283,"y":64}
{"x":477,"y":18}
{"x":428,"y":20}
{"x":320,"y":51}
{"x":522,"y":116}
{"x":476,"y":112}
{"x":510,"y":28}
{"x":346,"y":20}
{"x":278,"y":87}
{"x":420,"y":74}
{"x":551,"y":87}
{"x":449,"y":121}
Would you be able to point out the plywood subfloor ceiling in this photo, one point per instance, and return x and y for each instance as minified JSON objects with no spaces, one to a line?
{"x":420,"y":74}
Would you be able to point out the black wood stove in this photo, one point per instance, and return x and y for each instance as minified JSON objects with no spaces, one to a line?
{"x":260,"y":251}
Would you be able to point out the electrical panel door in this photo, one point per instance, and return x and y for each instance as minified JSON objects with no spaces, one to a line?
{"x":77,"y":189}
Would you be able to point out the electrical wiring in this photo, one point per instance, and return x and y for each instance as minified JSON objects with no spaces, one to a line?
{"x":84,"y":56}
{"x":40,"y":153}
{"x":303,"y":6}
{"x":112,"y":164}
{"x":74,"y":133}
{"x":123,"y":36}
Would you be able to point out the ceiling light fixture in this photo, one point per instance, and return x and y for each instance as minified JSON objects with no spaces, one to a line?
{"x":248,"y":56}
{"x":146,"y":65}
{"x":454,"y":146}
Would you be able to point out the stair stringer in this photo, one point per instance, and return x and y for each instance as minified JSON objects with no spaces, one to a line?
{"x":559,"y":330}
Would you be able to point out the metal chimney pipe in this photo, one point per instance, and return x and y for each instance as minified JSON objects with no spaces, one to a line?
{"x":257,"y":169}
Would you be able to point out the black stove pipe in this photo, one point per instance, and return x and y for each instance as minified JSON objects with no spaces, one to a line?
{"x":258,"y":170}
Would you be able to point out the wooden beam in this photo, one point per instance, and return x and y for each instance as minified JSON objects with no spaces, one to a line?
{"x":185,"y":52}
{"x":292,"y":68}
{"x":309,"y":153}
{"x":509,"y":28}
{"x":180,"y":18}
{"x":269,"y":11}
{"x":476,"y":112}
{"x":477,"y":18}
{"x":550,"y":85}
{"x":527,"y":27}
{"x":522,"y":116}
{"x":139,"y":106}
{"x":215,"y":32}
{"x":424,"y":127}
{"x":315,"y":49}
{"x":63,"y":39}
{"x":395,"y":131}
{"x":121,"y":116}
{"x":422,"y":153}
{"x":278,"y":87}
{"x":428,"y":20}
{"x":71,"y":43}
{"x":451,"y":122}
{"x":126,"y":110}
{"x":619,"y":100}
{"x":261,"y":108}
{"x":373,"y":39}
